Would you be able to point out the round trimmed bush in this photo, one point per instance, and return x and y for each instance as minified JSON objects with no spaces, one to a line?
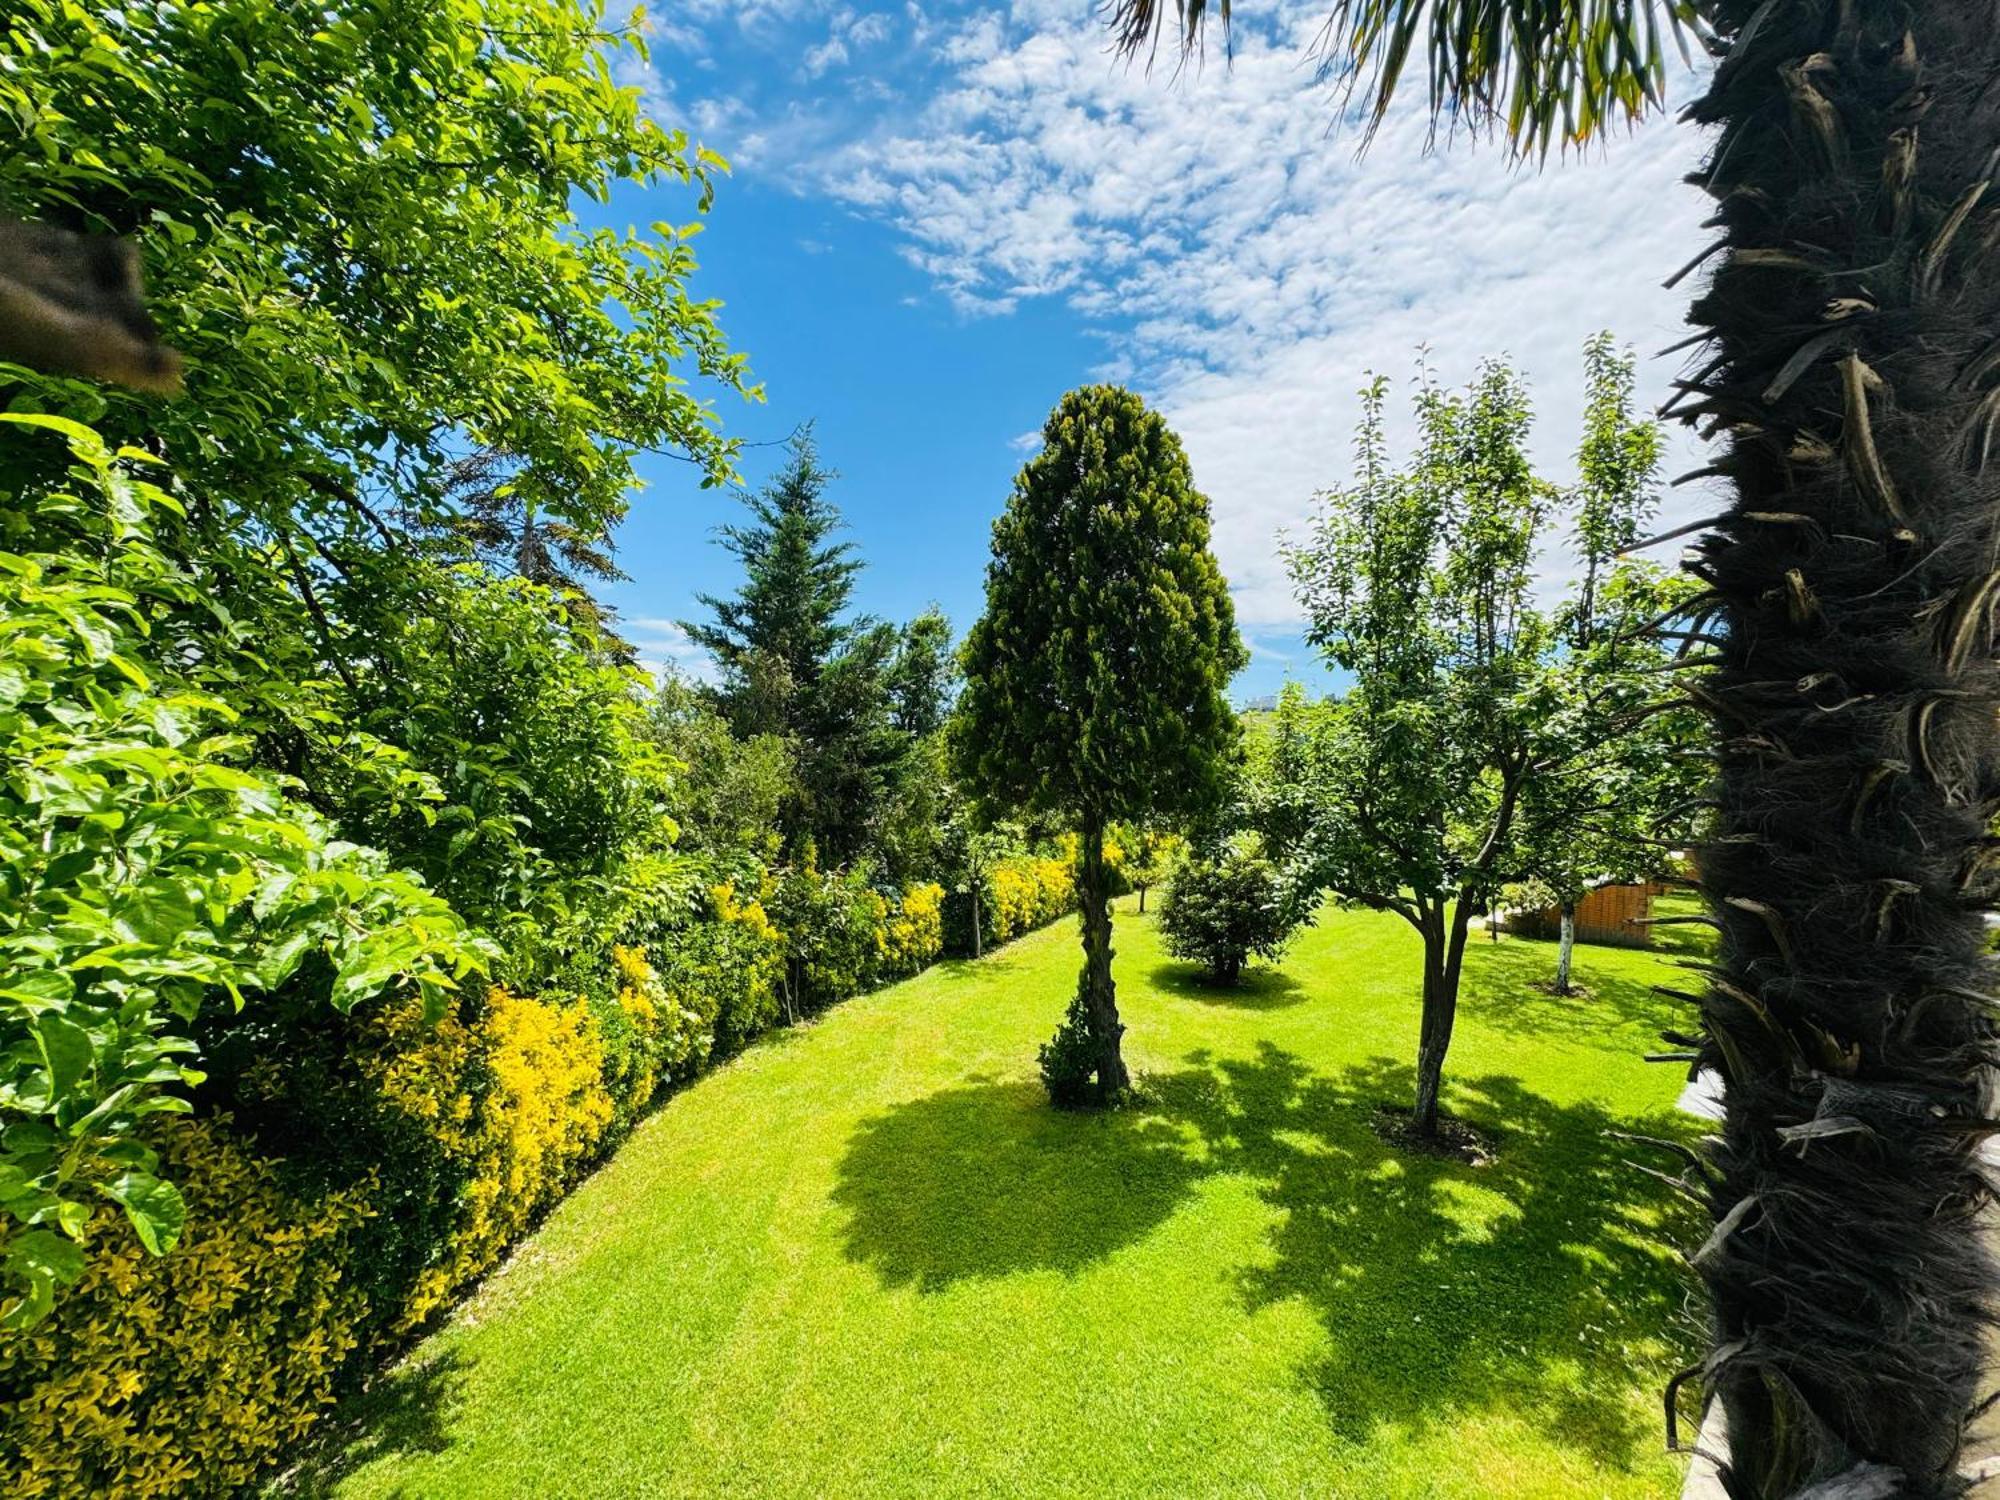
{"x":1219,"y":912}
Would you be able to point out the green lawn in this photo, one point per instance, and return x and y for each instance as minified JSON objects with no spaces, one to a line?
{"x":867,"y":1259}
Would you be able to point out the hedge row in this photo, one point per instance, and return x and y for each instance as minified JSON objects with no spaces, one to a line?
{"x":439,"y":1144}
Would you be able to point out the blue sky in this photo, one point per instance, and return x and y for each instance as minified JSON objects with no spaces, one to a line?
{"x":942,"y":217}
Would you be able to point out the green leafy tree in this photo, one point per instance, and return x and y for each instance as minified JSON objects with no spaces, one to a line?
{"x":910,"y":832}
{"x":1094,"y":681}
{"x":923,"y":677}
{"x":334,"y":271}
{"x":368,"y":284}
{"x":1848,"y":315}
{"x":796,"y":663}
{"x":1152,"y":853}
{"x":727,"y":793}
{"x":1278,"y":774}
{"x":549,"y":789}
{"x":1220,"y":912}
{"x":1417,"y":582}
{"x":1620,"y":777}
{"x":147,"y":864}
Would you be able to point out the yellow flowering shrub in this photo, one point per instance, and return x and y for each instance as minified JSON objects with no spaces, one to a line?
{"x":664,"y":1035}
{"x":726,"y":971}
{"x":542,"y":1118}
{"x":914,"y":935}
{"x":1025,"y":892}
{"x":184,"y":1374}
{"x":748,"y":915}
{"x":542,"y":1112}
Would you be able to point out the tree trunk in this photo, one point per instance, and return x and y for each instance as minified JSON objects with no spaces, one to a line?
{"x":1565,"y":947}
{"x":978,"y":900}
{"x":1093,"y":893}
{"x":1142,"y":901}
{"x":1444,"y":956}
{"x":1856,"y":370}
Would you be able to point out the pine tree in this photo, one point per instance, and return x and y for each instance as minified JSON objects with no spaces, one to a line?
{"x":794,"y":662}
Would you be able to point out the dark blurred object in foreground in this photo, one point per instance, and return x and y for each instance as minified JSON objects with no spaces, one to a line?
{"x":72,"y":304}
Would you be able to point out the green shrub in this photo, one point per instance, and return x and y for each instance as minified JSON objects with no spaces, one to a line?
{"x":1069,"y":1059}
{"x":1218,"y":912}
{"x":728,"y":967}
{"x":833,"y":926}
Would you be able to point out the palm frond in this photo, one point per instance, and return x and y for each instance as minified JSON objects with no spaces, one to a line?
{"x":1542,"y":71}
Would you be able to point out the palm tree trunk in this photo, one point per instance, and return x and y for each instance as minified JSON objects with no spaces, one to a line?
{"x":1855,"y":321}
{"x":1093,"y":891}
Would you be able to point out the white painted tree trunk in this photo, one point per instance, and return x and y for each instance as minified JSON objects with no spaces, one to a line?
{"x":1565,"y":948}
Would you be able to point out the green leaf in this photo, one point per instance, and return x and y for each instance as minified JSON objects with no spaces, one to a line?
{"x":66,"y":1053}
{"x":43,"y":1261}
{"x":155,"y":1207}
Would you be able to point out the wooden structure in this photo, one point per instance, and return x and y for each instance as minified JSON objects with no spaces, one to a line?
{"x":1611,"y":916}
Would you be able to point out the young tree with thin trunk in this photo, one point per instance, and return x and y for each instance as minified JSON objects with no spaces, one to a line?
{"x":1850,"y":364}
{"x":1613,"y":802}
{"x":1417,"y":583}
{"x":1094,"y":683}
{"x":1151,"y":855}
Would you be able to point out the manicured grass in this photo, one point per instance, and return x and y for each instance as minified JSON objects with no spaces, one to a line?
{"x":867,"y":1259}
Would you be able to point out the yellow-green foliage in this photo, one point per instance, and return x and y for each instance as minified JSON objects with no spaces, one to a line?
{"x":543,"y":1111}
{"x":1026,"y":892}
{"x":670,"y":1036}
{"x":726,"y":970}
{"x":914,"y":933}
{"x":184,"y":1373}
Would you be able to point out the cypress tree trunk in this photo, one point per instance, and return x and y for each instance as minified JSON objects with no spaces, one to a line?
{"x":1855,"y":327}
{"x":1565,"y":947}
{"x":1094,"y":888}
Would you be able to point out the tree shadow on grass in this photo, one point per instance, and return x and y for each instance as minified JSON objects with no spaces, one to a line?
{"x":405,"y":1410}
{"x":1261,"y":987}
{"x":986,"y":1179}
{"x":1506,"y":984}
{"x":1542,"y":1285}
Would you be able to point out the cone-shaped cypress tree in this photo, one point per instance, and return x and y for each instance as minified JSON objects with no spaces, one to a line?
{"x":1094,"y":683}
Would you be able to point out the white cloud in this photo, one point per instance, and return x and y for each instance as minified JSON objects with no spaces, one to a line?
{"x":663,"y":646}
{"x":1215,"y":229}
{"x":1027,"y":442}
{"x":1247,"y":269}
{"x":865,"y":31}
{"x":828,"y":54}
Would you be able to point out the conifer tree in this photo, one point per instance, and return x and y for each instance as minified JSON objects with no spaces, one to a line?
{"x":1094,"y":681}
{"x":795,"y":662}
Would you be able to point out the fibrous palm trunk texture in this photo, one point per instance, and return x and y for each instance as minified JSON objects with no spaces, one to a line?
{"x":1852,"y":368}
